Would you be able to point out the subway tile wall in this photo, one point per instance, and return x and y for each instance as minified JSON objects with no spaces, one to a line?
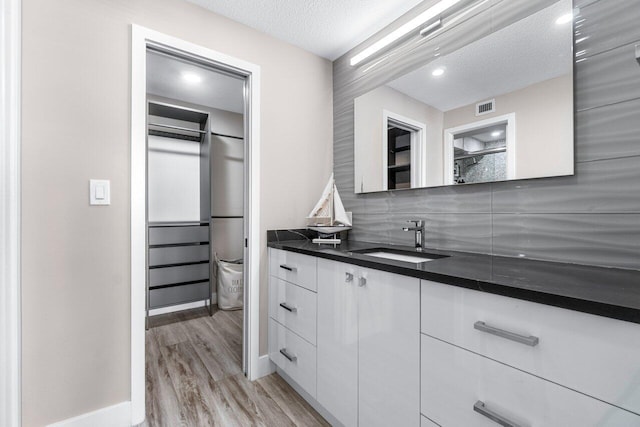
{"x":592,"y":217}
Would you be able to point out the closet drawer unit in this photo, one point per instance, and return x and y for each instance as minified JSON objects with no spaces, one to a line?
{"x":295,"y":356}
{"x":293,"y":267}
{"x":180,"y":274}
{"x":163,"y":297}
{"x":591,"y":354}
{"x":178,"y":254}
{"x":178,"y":235}
{"x":458,"y":387}
{"x":294,"y":307}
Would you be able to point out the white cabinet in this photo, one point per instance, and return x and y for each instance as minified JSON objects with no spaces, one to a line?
{"x":594,"y":355}
{"x":368,"y":345}
{"x":292,"y":316}
{"x":461,"y":388}
{"x":337,"y":341}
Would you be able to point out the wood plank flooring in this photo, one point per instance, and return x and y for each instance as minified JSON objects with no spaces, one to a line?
{"x":194,"y":377}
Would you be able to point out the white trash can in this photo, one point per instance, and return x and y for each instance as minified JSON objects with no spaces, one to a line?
{"x":230,"y":284}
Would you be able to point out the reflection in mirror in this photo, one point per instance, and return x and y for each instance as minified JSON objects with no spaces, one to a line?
{"x":500,"y":108}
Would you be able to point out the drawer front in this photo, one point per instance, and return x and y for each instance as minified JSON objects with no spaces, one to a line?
{"x":178,"y":294}
{"x":178,"y":254}
{"x":453,"y":380}
{"x":293,"y":307}
{"x":592,"y":354}
{"x":175,"y":235}
{"x":292,"y":267}
{"x":302,"y":367}
{"x":183,"y":273}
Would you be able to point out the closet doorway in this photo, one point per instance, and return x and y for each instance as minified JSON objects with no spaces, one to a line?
{"x":194,"y":211}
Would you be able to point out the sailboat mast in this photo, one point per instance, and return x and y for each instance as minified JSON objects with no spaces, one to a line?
{"x":331,"y":209}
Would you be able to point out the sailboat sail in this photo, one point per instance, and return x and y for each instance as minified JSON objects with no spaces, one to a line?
{"x":329,"y":211}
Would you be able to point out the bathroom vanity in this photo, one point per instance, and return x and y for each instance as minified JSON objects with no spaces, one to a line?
{"x":461,"y":340}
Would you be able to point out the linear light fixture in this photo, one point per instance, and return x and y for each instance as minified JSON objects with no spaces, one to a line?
{"x":405,"y":29}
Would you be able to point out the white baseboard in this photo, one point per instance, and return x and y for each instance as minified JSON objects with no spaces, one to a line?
{"x":180,"y":307}
{"x":265,"y":366}
{"x":118,"y":415}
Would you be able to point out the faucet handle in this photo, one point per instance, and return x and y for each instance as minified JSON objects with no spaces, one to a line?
{"x":417,"y":222}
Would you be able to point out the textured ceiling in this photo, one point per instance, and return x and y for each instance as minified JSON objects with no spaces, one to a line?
{"x":216,"y":90}
{"x":532,"y":50}
{"x":328,"y":28}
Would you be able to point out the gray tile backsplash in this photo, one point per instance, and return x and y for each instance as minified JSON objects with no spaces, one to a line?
{"x":608,"y":132}
{"x":592,"y":217}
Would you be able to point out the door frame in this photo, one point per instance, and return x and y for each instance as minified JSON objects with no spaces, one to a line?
{"x":10,"y":286}
{"x":449,"y":135}
{"x":142,"y":37}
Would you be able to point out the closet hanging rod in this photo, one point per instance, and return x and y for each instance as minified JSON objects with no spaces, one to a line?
{"x":177,"y":128}
{"x":228,"y":136}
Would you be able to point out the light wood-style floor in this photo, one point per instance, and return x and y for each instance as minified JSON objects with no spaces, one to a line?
{"x":194,"y":377}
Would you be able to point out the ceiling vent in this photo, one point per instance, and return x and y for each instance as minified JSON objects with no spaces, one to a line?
{"x":485,"y":107}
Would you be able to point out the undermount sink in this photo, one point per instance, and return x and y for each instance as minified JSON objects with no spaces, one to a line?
{"x":400,"y":255}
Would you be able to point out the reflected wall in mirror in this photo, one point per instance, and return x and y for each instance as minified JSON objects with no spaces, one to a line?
{"x":500,"y":108}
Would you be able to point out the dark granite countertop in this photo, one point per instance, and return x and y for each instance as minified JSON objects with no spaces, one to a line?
{"x":609,"y":292}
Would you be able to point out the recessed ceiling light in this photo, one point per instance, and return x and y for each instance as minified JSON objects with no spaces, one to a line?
{"x":565,"y":19}
{"x":496,"y":133}
{"x":437,"y":72}
{"x":190,"y":77}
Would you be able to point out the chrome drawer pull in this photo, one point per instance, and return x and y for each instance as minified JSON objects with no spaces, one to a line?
{"x":288,"y":307}
{"x":286,"y":267}
{"x":291,"y":358}
{"x":530,"y":341}
{"x":480,"y":408}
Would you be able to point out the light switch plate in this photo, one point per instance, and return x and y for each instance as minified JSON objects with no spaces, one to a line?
{"x":99,"y":192}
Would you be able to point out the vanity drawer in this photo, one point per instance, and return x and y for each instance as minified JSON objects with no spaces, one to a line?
{"x":454,"y":380}
{"x":293,"y":267}
{"x":294,"y":307}
{"x":595,"y":355}
{"x":295,"y":356}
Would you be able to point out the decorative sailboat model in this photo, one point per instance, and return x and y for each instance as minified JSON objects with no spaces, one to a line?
{"x":328,"y":217}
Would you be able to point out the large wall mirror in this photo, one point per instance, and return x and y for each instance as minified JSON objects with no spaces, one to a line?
{"x":500,"y":108}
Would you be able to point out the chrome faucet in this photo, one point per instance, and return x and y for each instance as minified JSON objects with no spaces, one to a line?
{"x":419,"y":229}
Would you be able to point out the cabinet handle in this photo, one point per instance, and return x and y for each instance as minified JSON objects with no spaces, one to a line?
{"x":286,"y":267}
{"x":288,"y":307}
{"x":286,"y":354}
{"x":348,"y":277}
{"x":530,"y":341}
{"x":362,"y":281}
{"x":481,"y":408}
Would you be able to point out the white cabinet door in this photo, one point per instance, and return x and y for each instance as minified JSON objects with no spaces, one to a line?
{"x":461,"y":388}
{"x":337,"y":341}
{"x":388,"y":349}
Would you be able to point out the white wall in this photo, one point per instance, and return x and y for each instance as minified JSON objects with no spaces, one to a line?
{"x":76,"y":98}
{"x":368,"y":128}
{"x":544,"y":126}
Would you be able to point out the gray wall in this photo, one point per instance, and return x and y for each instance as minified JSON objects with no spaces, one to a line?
{"x":590,"y":218}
